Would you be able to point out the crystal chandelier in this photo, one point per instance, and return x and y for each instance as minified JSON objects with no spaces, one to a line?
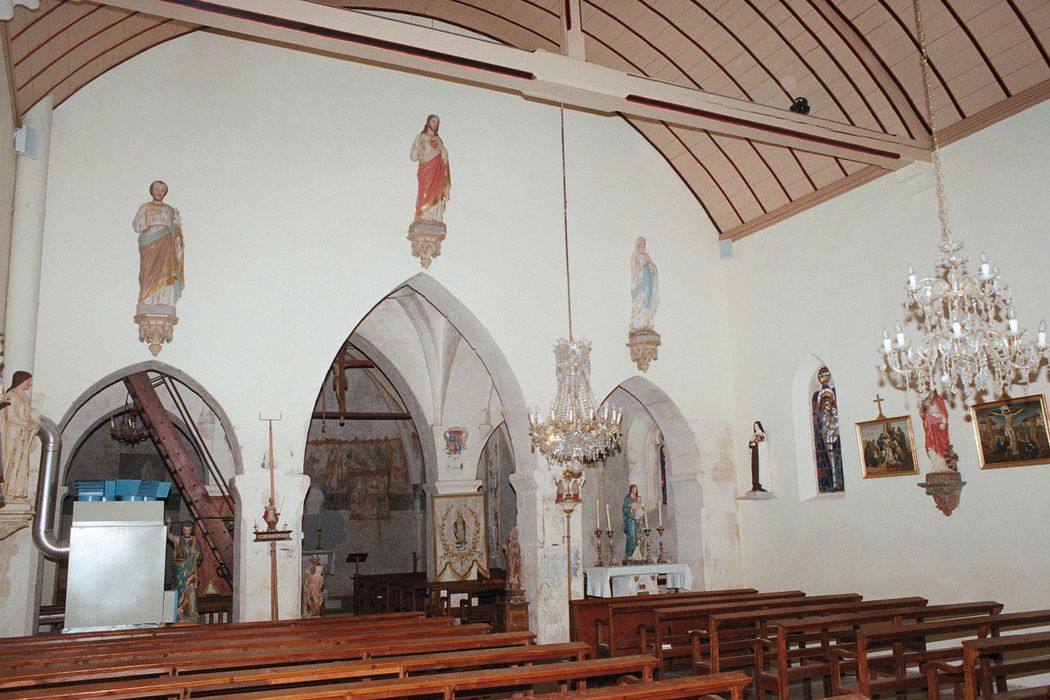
{"x":960,"y":315}
{"x":574,"y":433}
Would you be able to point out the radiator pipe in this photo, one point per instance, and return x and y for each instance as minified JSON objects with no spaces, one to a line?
{"x":46,"y":491}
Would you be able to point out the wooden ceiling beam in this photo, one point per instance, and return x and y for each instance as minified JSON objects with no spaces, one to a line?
{"x":537,"y":75}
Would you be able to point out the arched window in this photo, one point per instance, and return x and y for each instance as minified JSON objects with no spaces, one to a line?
{"x":827,"y":439}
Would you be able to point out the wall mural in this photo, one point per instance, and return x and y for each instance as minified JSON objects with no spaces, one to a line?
{"x":367,"y":478}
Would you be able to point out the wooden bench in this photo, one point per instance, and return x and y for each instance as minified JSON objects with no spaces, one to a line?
{"x":585,"y":612}
{"x":287,"y":675}
{"x":905,"y":646}
{"x":793,"y":660}
{"x":986,"y":660}
{"x":191,"y":662}
{"x":666,"y":689}
{"x":672,"y":629}
{"x":449,"y":684}
{"x":621,"y":631}
{"x":134,"y":650}
{"x":206,"y":631}
{"x":730,"y":637}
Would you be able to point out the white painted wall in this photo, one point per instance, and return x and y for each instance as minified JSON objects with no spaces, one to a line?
{"x":825,"y":283}
{"x":292,"y":176}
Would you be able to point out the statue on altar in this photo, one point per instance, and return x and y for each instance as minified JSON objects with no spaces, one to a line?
{"x":633,"y":523}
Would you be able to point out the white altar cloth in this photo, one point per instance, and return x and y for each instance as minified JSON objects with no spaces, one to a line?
{"x":607,"y":581}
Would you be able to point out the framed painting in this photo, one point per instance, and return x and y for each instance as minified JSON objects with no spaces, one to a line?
{"x":887,"y":447}
{"x":1012,"y":432}
{"x":460,"y":544}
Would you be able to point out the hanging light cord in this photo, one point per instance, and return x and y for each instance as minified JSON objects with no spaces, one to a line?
{"x":565,"y":220}
{"x":938,"y":172}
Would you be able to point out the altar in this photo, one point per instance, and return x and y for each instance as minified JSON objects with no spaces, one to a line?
{"x":607,"y":581}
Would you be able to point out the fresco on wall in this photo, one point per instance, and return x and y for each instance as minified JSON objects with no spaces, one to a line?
{"x":363,"y":477}
{"x":434,"y":187}
{"x":161,"y":270}
{"x":827,"y":440}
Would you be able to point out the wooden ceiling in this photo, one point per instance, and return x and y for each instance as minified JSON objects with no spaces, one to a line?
{"x":855,"y":61}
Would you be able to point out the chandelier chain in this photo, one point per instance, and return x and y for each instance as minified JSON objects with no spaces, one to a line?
{"x":935,"y":156}
{"x":565,"y":219}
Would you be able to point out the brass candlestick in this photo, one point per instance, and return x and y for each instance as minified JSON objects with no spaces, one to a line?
{"x":660,"y":532}
{"x":648,"y":546}
{"x":598,"y":538}
{"x":612,"y":559}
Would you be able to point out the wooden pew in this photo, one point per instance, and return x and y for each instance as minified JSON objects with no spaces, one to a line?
{"x":153,"y":654}
{"x":985,"y":661}
{"x":189,"y":631}
{"x":620,"y":632}
{"x":793,"y":661}
{"x":243,"y":640}
{"x":449,"y":684}
{"x":191,"y":662}
{"x":730,"y":636}
{"x":666,"y":689}
{"x":906,"y":646}
{"x":585,"y":612}
{"x":292,"y":674}
{"x":672,"y":628}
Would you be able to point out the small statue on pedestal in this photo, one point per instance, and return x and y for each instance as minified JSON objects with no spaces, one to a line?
{"x":188,"y":556}
{"x":313,"y":588}
{"x":512,"y":554}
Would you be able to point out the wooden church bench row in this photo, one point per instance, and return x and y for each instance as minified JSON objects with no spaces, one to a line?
{"x":989,"y":663}
{"x":242,"y":680}
{"x":671,"y":632}
{"x":905,"y":649}
{"x":798,"y":650}
{"x":670,"y":629}
{"x":585,"y":612}
{"x":619,"y":630}
{"x":189,"y":631}
{"x":729,"y":639}
{"x":287,"y":641}
{"x":215,"y":634}
{"x":450,"y":684}
{"x":198,"y":660}
{"x":682,"y":688}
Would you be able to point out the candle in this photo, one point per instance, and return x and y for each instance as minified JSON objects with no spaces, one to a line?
{"x":885,"y":340}
{"x":1041,"y":336}
{"x":608,"y":520}
{"x":660,"y":512}
{"x":597,"y":515}
{"x":900,"y":335}
{"x":986,"y":269}
{"x":645,"y":517}
{"x":912,"y":282}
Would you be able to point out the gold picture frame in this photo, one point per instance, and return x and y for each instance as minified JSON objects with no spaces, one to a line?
{"x":887,"y":447}
{"x":1012,"y":432}
{"x":460,"y":542}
